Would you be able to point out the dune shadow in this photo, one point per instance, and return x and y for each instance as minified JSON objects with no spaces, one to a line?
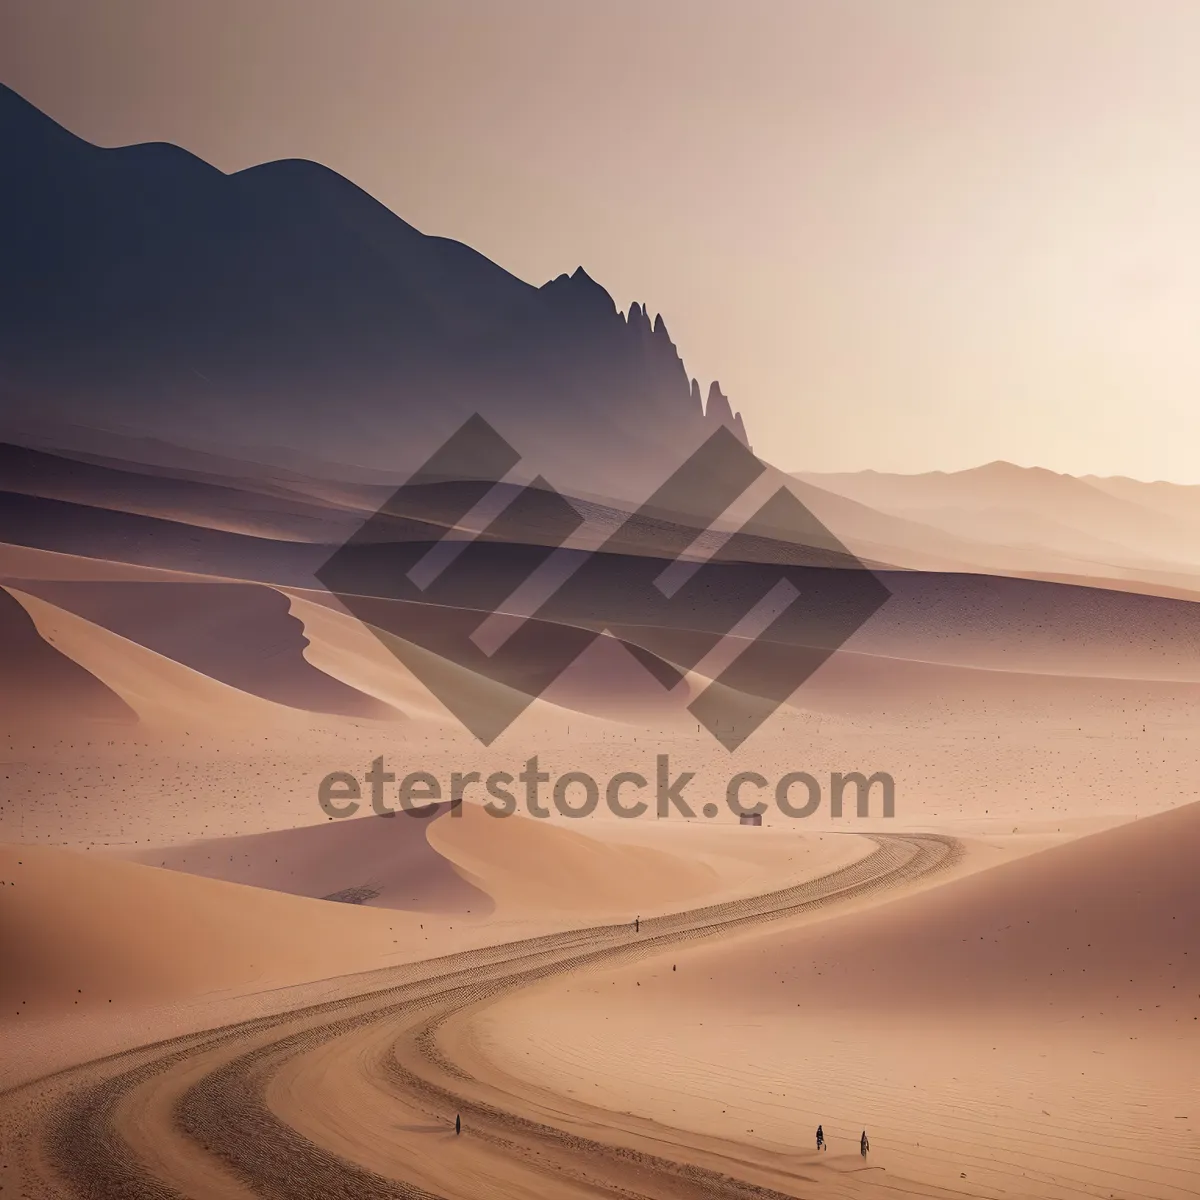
{"x":241,"y":634}
{"x":38,"y":680}
{"x":360,"y":860}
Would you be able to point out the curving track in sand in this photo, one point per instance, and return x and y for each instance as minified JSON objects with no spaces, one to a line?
{"x":356,"y":1097}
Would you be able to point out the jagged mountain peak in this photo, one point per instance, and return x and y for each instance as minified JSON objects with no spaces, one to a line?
{"x":718,"y":411}
{"x":283,"y":306}
{"x":718,"y":408}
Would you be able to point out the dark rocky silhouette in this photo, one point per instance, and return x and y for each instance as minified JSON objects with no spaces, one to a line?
{"x":281,"y":310}
{"x":719,"y":412}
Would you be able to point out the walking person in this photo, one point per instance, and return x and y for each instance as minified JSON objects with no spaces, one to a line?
{"x":457,"y":1124}
{"x":637,"y":924}
{"x":820,"y":1138}
{"x":864,"y":1145}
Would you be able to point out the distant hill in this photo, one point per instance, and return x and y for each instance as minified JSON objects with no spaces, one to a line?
{"x":1108,"y":527}
{"x":284,"y":315}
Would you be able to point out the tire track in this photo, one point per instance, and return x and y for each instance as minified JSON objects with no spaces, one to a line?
{"x":71,"y":1132}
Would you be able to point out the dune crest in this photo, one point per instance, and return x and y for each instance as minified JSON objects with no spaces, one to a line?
{"x":532,"y":865}
{"x":162,"y":692}
{"x":366,"y":860}
{"x":41,"y":684}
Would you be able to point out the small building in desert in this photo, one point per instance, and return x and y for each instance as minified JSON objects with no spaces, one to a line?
{"x":750,"y":819}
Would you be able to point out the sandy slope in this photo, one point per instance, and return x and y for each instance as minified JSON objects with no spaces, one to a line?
{"x":1039,"y":627}
{"x":976,"y":751}
{"x":209,"y":1115}
{"x":39,"y":683}
{"x":85,"y":931}
{"x":382,"y":863}
{"x":195,"y":498}
{"x":1097,"y":929}
{"x":29,"y":562}
{"x":466,"y":880}
{"x":161,"y":690}
{"x":345,"y":649}
{"x":465,"y":860}
{"x":102,"y":954}
{"x":1016,"y":713}
{"x":240,"y":634}
{"x":531,"y":865}
{"x":1029,"y":1030}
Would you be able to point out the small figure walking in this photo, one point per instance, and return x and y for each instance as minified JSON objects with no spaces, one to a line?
{"x":637,"y":924}
{"x":864,"y":1145}
{"x":821,"y":1138}
{"x":458,"y":1126}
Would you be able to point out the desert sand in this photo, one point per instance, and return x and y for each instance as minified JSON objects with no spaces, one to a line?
{"x":212,"y":988}
{"x":1031,"y":1029}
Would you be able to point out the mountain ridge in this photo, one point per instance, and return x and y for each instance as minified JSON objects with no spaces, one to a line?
{"x":282,"y":305}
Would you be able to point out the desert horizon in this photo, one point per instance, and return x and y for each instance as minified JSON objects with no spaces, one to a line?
{"x":448,"y":752}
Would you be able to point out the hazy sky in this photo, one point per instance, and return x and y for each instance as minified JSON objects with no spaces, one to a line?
{"x":906,"y":235}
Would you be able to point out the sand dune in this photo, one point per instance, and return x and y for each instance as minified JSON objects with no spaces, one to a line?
{"x":999,"y":519}
{"x":531,"y":865}
{"x":608,"y":680}
{"x":39,"y":683}
{"x":82,"y":932}
{"x":965,"y":618}
{"x":1029,"y":1030}
{"x":210,"y":503}
{"x":29,"y":563}
{"x":882,"y":687}
{"x":962,"y":620}
{"x":332,"y":642}
{"x":367,"y":860}
{"x":1033,"y":625}
{"x":605,"y":683}
{"x":242,"y":635}
{"x":246,"y":548}
{"x":1026,"y":1030}
{"x":160,"y":690}
{"x":987,"y":958}
{"x":153,"y":541}
{"x":128,"y":451}
{"x":1094,"y":930}
{"x":251,"y":641}
{"x":345,"y":649}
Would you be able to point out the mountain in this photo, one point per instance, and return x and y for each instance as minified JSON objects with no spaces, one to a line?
{"x":280,"y":312}
{"x":1174,"y":500}
{"x":718,"y":410}
{"x":1108,"y":528}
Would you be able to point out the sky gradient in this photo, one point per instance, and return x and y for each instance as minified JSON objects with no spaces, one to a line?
{"x":904,"y":235}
